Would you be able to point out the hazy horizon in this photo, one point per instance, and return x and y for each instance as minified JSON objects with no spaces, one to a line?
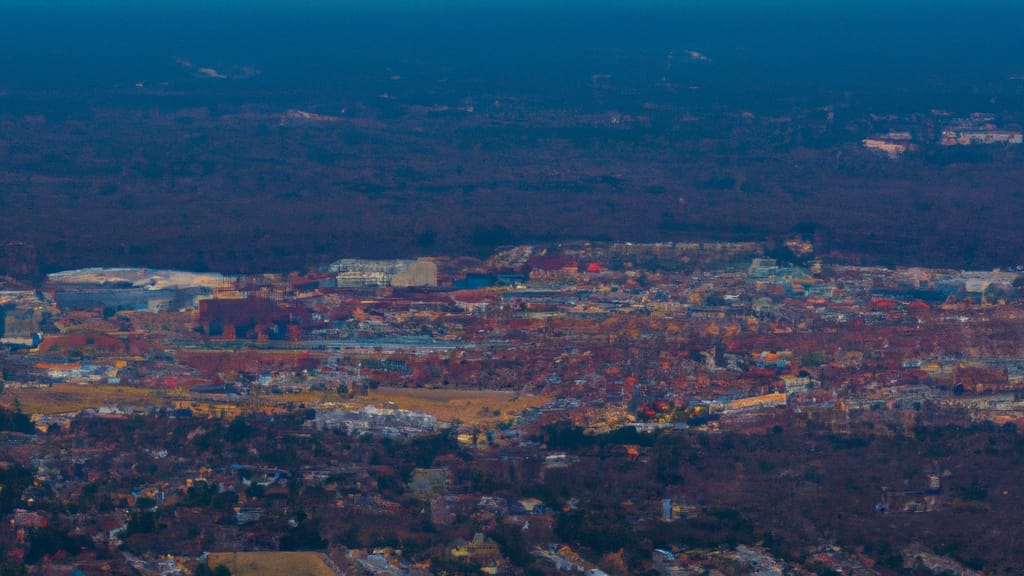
{"x":927,"y":53}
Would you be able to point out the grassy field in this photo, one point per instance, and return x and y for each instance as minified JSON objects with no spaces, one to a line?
{"x":271,"y":563}
{"x":485,"y":408}
{"x":70,"y":398}
{"x":477,"y":407}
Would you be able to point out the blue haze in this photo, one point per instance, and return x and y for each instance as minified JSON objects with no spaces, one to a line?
{"x":763,"y":55}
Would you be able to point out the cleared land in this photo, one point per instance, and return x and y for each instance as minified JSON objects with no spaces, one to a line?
{"x":271,"y":563}
{"x":485,"y":408}
{"x":61,"y":398}
{"x":476,"y":407}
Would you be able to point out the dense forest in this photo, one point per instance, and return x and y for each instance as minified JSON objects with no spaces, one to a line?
{"x":159,"y":184}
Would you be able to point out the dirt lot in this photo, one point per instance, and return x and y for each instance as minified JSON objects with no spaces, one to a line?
{"x":481,"y":407}
{"x":271,"y":563}
{"x":484,"y":408}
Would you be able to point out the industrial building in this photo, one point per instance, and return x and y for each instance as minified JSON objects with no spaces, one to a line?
{"x":355,"y":273}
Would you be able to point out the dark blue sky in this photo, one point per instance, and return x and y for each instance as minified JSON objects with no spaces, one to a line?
{"x":757,"y":49}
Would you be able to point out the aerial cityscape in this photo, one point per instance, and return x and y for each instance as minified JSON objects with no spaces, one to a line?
{"x":434,"y":289}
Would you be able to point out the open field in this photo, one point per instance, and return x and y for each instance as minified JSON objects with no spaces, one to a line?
{"x":271,"y":563}
{"x":484,"y":408}
{"x":71,"y":397}
{"x":478,"y":407}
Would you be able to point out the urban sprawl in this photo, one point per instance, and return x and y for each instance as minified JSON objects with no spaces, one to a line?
{"x":265,"y":401}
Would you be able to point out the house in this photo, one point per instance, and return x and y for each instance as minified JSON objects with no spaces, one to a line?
{"x":248,"y":515}
{"x":28,"y":519}
{"x":480,"y":549}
